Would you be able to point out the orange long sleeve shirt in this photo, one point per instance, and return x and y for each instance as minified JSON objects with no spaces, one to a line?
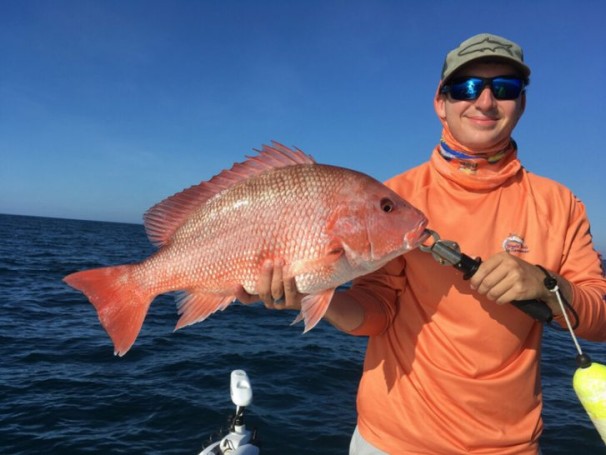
{"x":446,"y":370}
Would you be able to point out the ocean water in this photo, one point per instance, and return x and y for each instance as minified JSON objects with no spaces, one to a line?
{"x":63,"y":392}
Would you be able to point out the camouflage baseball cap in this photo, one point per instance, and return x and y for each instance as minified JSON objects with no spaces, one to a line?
{"x":485,"y":46}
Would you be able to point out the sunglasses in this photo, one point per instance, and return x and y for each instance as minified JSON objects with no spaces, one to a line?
{"x":470,"y":88}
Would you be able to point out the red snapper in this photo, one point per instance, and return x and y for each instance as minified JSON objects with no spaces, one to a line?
{"x":328,"y":224}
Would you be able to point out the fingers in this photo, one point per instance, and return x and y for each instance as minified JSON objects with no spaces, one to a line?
{"x":291,"y":294}
{"x":244,"y":297}
{"x":270,"y":286}
{"x":265,"y":286}
{"x":491,"y":280}
{"x":277,"y":287}
{"x":504,"y":278}
{"x":275,"y":291}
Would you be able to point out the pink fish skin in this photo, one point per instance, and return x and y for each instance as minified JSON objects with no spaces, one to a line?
{"x":328,"y":224}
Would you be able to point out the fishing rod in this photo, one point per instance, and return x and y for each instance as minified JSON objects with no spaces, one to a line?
{"x":589,"y":380}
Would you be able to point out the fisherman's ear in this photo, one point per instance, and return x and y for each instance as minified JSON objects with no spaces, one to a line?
{"x":439,"y":105}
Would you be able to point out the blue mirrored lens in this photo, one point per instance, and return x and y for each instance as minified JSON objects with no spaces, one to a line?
{"x":470,"y":88}
{"x":506,"y":88}
{"x":467,"y":89}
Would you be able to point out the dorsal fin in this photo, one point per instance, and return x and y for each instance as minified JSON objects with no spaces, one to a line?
{"x":164,"y":218}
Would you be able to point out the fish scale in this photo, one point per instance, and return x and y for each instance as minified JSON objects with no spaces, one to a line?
{"x":328,"y":224}
{"x":278,"y":236}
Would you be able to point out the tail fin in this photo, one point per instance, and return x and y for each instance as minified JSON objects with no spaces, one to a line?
{"x":120,"y":302}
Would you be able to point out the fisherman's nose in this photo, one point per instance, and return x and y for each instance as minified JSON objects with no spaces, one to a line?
{"x":486,"y":100}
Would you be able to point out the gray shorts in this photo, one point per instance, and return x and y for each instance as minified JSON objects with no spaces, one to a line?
{"x":359,"y":446}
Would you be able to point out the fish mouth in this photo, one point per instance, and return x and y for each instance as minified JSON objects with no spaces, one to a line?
{"x":417,"y":236}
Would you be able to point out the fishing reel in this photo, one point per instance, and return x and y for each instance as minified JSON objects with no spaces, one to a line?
{"x":239,"y":440}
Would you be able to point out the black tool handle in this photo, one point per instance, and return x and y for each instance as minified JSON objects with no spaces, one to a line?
{"x":534,"y":308}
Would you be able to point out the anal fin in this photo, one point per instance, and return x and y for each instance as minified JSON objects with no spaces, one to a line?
{"x":195,"y":306}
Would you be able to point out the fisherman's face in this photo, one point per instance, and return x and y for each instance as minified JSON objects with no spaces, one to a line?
{"x":484,"y":122}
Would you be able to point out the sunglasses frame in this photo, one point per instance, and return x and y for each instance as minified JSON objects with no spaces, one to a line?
{"x":486,"y":82}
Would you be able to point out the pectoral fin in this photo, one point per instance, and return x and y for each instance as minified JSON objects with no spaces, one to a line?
{"x":334,"y":252}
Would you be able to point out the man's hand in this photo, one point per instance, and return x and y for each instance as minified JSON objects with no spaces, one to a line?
{"x":504,"y":278}
{"x":276,"y":292}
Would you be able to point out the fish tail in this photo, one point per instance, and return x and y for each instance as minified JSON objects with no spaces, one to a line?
{"x":121,"y":303}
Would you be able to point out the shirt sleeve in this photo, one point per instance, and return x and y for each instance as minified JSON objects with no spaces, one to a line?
{"x":378,"y":294}
{"x":582,"y":267}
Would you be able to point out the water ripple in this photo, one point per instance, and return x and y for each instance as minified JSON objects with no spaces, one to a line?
{"x":63,"y":391}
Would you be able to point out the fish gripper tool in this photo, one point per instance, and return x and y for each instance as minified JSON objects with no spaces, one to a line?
{"x":447,"y":252}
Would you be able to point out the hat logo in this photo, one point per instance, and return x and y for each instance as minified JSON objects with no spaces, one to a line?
{"x":486,"y":44}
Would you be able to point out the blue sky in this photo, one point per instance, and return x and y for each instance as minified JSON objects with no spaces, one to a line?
{"x":107,"y":107}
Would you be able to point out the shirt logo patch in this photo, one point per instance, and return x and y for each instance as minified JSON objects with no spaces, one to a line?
{"x":515,"y":244}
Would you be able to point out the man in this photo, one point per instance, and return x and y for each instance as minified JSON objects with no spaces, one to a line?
{"x":452,"y":367}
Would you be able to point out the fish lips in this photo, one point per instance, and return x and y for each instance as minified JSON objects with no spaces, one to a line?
{"x":417,"y":236}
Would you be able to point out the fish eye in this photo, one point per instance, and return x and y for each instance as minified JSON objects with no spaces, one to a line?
{"x":387,"y":205}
